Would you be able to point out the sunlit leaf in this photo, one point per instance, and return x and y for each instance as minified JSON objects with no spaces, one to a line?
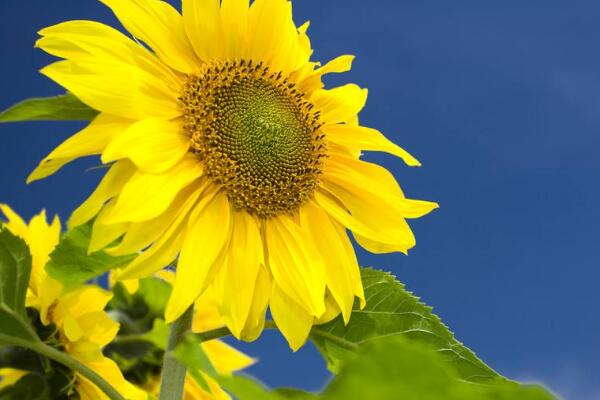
{"x":71,"y":264}
{"x":393,"y":311}
{"x":155,"y":292}
{"x":15,"y":269}
{"x":64,"y":107}
{"x":395,"y":367}
{"x":158,"y":335}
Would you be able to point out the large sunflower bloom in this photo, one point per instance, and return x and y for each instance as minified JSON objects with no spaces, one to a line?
{"x":228,"y":155}
{"x":83,"y":328}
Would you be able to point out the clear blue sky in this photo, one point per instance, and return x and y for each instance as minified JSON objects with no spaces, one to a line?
{"x":500,"y":100}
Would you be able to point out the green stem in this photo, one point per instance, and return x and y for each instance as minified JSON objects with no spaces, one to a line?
{"x":70,"y":362}
{"x":224,"y":332}
{"x":173,"y":372}
{"x":316,"y":332}
{"x":213,"y":334}
{"x":336,"y":339}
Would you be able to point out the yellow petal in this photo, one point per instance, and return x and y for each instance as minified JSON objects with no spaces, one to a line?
{"x":359,"y":138}
{"x":234,"y":20}
{"x":146,"y":196}
{"x":105,"y":234}
{"x":10,"y":376}
{"x":120,"y":89}
{"x":89,"y":141}
{"x":79,"y":302}
{"x":154,"y":146}
{"x":377,"y":222}
{"x":312,"y":81}
{"x":85,"y":351}
{"x":98,"y":327}
{"x":42,"y":240}
{"x":339,"y":104}
{"x":140,"y":235}
{"x":375,"y":201}
{"x":203,"y":27}
{"x":49,"y":291}
{"x":87,"y":390}
{"x":15,"y":223}
{"x":193,"y":391}
{"x":235,"y":280}
{"x":365,"y":177}
{"x":108,"y":369}
{"x":159,"y":25}
{"x":89,"y":39}
{"x":165,"y":249}
{"x":71,"y":329}
{"x":225,"y":358}
{"x":160,"y":255}
{"x":255,"y":322}
{"x":295,"y":263}
{"x":341,"y":266}
{"x":303,"y":39}
{"x":207,"y":233}
{"x":206,"y":311}
{"x":273,"y":37}
{"x":292,"y":320}
{"x":401,"y":240}
{"x":332,"y":310}
{"x":112,"y":183}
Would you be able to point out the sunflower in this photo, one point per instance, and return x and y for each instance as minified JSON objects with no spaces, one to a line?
{"x":227,"y":155}
{"x":82,"y":327}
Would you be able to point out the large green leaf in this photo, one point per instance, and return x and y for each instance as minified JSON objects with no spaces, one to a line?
{"x":15,"y":269}
{"x":64,"y":107}
{"x":394,"y":368}
{"x":385,"y":368}
{"x":393,"y":311}
{"x":71,"y":264}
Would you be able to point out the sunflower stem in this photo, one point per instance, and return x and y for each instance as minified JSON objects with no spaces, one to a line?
{"x":173,"y":371}
{"x":71,"y":363}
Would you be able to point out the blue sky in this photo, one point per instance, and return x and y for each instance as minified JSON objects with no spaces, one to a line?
{"x":500,"y":101}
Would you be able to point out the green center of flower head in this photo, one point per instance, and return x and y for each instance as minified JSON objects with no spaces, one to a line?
{"x":256,"y":135}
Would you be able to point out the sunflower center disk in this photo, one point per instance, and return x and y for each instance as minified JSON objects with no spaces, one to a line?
{"x":256,"y":135}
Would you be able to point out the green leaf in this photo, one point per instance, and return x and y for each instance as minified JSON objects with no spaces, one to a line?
{"x":29,"y":387}
{"x":246,"y":388}
{"x":155,"y":292}
{"x":292,"y":393}
{"x":393,"y":311}
{"x":159,"y":335}
{"x":64,"y":107}
{"x":15,"y":269}
{"x":71,"y":264}
{"x":395,"y":367}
